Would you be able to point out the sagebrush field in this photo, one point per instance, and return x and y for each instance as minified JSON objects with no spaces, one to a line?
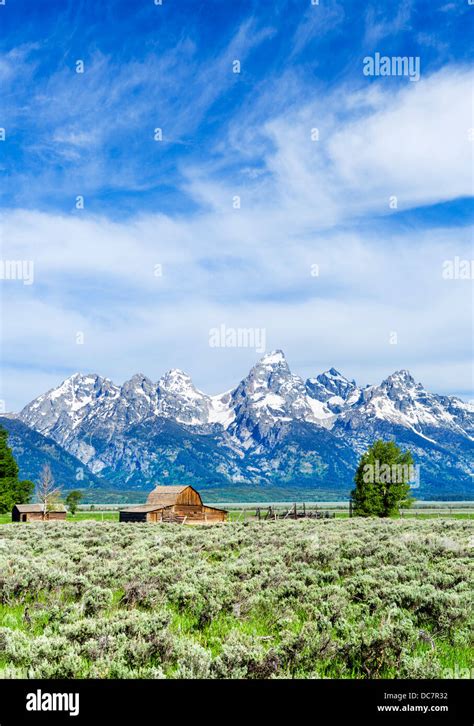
{"x":299,"y":599}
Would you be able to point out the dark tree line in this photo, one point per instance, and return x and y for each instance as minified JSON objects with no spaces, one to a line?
{"x":12,"y":489}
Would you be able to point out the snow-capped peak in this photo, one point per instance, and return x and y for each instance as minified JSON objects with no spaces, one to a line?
{"x":178,"y":398}
{"x":274,"y":358}
{"x":333,"y":373}
{"x":264,"y":403}
{"x":74,"y":382}
{"x":69,"y":403}
{"x":137,"y":382}
{"x":74,"y":387}
{"x":334,"y":389}
{"x":400,"y":378}
{"x":400,"y":400}
{"x":176,"y":381}
{"x":270,"y":394}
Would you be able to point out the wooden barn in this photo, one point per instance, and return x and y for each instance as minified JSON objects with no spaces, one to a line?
{"x":181,"y":504}
{"x":35,"y":513}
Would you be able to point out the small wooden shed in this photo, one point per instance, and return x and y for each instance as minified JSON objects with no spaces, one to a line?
{"x":174,"y":504}
{"x":35,"y":513}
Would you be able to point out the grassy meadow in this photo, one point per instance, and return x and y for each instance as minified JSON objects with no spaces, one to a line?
{"x":243,"y":515}
{"x":338,"y":598}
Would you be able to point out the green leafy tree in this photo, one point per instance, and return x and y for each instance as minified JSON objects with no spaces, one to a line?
{"x":73,"y":499}
{"x":12,"y":490}
{"x":383,"y":481}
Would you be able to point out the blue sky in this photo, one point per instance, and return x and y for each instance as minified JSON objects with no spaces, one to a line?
{"x":226,"y":134}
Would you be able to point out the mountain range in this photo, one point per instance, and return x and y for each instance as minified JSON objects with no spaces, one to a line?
{"x":273,"y":436}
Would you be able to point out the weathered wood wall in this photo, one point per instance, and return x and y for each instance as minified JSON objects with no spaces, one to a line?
{"x":200,"y":512}
{"x":194,"y":512}
{"x":36,"y":516}
{"x":189,"y":496}
{"x":216,"y":515}
{"x":154,"y":516}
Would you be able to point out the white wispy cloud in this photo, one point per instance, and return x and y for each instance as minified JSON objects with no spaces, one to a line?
{"x":86,"y":131}
{"x":251,"y":267}
{"x":383,"y":21}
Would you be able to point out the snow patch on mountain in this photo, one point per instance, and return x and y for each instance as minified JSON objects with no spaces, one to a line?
{"x":221,"y":411}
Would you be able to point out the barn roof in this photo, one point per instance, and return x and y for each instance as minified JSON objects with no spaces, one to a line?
{"x":165,"y":496}
{"x":29,"y":508}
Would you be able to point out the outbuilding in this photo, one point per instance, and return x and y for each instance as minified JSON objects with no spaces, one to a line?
{"x":181,"y":504}
{"x":36,"y":513}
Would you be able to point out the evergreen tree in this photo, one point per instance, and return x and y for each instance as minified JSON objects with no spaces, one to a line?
{"x":382,"y":481}
{"x":8,"y":466}
{"x":12,"y":490}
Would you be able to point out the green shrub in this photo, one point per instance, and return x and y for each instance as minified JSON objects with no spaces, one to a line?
{"x":357,"y":598}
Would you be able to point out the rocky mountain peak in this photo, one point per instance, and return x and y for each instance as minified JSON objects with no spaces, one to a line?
{"x":176,"y":381}
{"x":92,"y":418}
{"x":178,"y":398}
{"x":268,"y":397}
{"x":332,"y":388}
{"x":269,"y":372}
{"x":138,"y":382}
{"x":400,"y":379}
{"x":276,"y":358}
